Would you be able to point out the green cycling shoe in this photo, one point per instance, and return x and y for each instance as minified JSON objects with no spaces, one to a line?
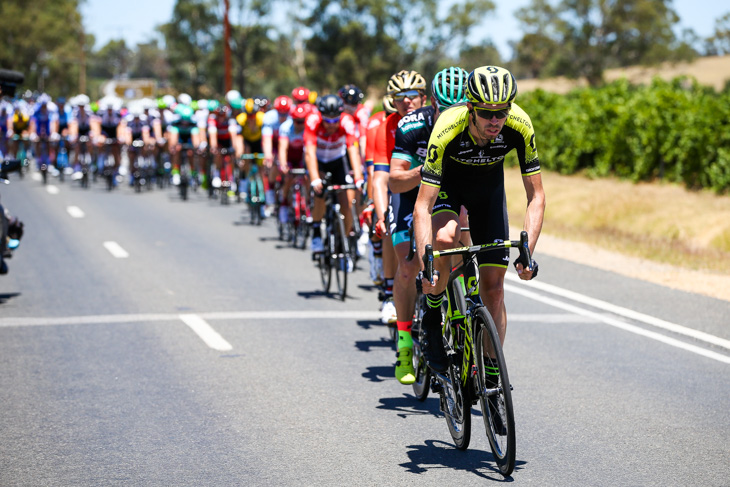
{"x":404,"y":366}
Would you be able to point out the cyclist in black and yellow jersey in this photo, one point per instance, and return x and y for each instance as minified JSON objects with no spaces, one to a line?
{"x":464,"y":166}
{"x":251,"y":120}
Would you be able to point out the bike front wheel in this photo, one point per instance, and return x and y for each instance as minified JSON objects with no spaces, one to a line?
{"x":340,"y":257}
{"x":494,"y":391}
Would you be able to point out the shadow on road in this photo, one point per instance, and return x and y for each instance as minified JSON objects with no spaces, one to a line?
{"x":7,"y":297}
{"x":367,"y":345}
{"x":439,"y":454}
{"x":379,"y":373}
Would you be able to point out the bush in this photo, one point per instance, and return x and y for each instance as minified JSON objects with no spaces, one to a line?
{"x":677,"y":131}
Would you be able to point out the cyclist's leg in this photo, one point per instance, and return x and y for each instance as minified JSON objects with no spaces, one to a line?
{"x":446,"y":229}
{"x":318,"y":208}
{"x":488,"y":222}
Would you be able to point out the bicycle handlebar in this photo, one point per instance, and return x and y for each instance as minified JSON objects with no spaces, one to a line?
{"x":522,"y":245}
{"x":255,"y":155}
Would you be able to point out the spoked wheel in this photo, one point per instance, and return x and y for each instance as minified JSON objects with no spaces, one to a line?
{"x":456,"y":404}
{"x":423,"y":373}
{"x":324,"y":263}
{"x":494,"y":392}
{"x":184,"y":187}
{"x":300,"y":234}
{"x":255,"y":212}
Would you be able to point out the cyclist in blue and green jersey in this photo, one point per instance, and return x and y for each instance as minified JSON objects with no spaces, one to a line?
{"x":183,"y":135}
{"x":407,"y":89}
{"x":464,"y":166}
{"x":411,"y":139}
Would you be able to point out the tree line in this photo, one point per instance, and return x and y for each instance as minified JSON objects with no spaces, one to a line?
{"x":324,"y":43}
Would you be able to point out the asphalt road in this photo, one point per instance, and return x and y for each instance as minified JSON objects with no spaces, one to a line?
{"x":149,"y":341}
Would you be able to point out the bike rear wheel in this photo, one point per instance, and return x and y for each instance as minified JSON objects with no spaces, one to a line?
{"x":494,"y":400}
{"x":456,"y":405}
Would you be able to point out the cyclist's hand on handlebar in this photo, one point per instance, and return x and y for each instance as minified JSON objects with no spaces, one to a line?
{"x":426,"y":285}
{"x":316,"y":185}
{"x":380,"y":229}
{"x":526,"y":274}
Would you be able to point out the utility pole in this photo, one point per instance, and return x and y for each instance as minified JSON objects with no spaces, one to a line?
{"x":82,"y":64}
{"x":227,"y":47}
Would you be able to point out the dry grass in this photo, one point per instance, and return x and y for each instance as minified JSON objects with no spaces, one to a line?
{"x":660,"y":222}
{"x":710,"y":71}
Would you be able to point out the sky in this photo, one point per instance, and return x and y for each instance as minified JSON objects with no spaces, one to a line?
{"x":135,"y":20}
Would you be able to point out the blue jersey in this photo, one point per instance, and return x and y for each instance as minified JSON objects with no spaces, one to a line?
{"x":42,"y":119}
{"x":295,"y":151}
{"x":272,"y":124}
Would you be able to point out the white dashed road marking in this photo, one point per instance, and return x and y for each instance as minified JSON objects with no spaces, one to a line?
{"x":116,"y":250}
{"x":75,"y":212}
{"x":206,"y":332}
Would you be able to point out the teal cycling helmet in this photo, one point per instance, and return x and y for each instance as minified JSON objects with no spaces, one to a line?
{"x":492,"y":85}
{"x":185,"y":112}
{"x":449,"y":86}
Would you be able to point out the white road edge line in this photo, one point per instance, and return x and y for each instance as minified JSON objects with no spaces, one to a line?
{"x":211,"y":337}
{"x":116,"y":250}
{"x":75,"y":212}
{"x":618,"y":324}
{"x":627,"y":313}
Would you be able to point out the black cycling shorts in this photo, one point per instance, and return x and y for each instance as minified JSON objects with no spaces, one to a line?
{"x":484,"y":197}
{"x":338,"y":168}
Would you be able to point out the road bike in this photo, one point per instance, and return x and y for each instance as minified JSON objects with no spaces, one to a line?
{"x":187,"y":178}
{"x":84,"y":158}
{"x":256,"y":194}
{"x":477,"y":371}
{"x":299,"y":211}
{"x":336,"y":257}
{"x":107,"y":163}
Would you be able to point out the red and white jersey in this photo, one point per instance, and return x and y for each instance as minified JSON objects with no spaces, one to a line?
{"x":334,"y":146}
{"x":362,"y":115}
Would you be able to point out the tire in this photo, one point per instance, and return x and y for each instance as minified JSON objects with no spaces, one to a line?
{"x":423,"y":373}
{"x":503,"y":446}
{"x":340,"y":256}
{"x":301,"y":233}
{"x":325,"y":270}
{"x":457,"y":408}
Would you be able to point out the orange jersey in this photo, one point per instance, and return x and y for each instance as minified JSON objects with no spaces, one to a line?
{"x":385,"y":142}
{"x":372,"y":133}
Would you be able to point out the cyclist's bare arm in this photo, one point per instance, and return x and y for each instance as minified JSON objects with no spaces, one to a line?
{"x":354,"y":152}
{"x":422,"y":228}
{"x":402,"y":177}
{"x":267,"y":144}
{"x":380,"y":194}
{"x":310,"y":159}
{"x":533,"y":215}
{"x":213,"y":137}
{"x":283,"y":148}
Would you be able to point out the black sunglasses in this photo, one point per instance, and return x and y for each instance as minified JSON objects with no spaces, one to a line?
{"x":487,"y":114}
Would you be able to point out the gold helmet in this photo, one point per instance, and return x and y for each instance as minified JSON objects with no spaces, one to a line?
{"x":404,"y":81}
{"x":388,"y":105}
